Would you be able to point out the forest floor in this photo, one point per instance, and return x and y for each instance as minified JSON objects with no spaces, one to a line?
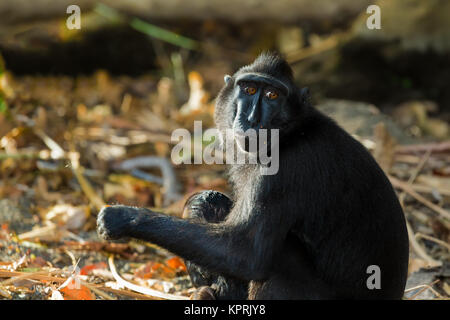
{"x":64,"y":141}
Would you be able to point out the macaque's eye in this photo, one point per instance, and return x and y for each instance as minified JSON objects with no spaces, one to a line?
{"x":250,"y":90}
{"x":271,"y":94}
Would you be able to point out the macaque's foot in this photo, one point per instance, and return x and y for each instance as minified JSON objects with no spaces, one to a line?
{"x":203,"y":293}
{"x":210,"y":206}
{"x":113,"y":222}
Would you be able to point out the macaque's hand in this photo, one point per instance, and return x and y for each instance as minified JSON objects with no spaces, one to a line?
{"x":113,"y":222}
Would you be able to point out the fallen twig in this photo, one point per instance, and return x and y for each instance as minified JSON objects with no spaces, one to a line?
{"x":433,"y":147}
{"x":424,"y":287}
{"x":419,"y":250}
{"x":51,"y":231}
{"x":19,"y":155}
{"x":128,"y":293}
{"x":113,"y":136}
{"x":84,"y":183}
{"x":39,"y":232}
{"x":143,"y":290}
{"x":97,"y":291}
{"x":430,"y":238}
{"x":16,"y":275}
{"x":57,"y":152}
{"x":111,"y":247}
{"x":419,"y":167}
{"x":408,"y":189}
{"x":428,"y":189}
{"x":43,"y":276}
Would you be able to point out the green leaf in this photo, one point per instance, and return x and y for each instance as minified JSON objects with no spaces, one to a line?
{"x":147,"y":28}
{"x":163,"y":34}
{"x":3,"y":105}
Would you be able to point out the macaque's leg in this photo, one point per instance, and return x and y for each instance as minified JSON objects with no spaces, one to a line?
{"x":212,"y":207}
{"x":294,"y":279}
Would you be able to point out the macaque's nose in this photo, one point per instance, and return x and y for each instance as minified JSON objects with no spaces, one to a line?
{"x":253,"y":117}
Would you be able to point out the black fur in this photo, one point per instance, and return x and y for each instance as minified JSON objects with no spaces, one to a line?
{"x":308,"y":232}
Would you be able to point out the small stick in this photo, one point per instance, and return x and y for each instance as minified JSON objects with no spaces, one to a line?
{"x":84,"y":183}
{"x":43,"y":275}
{"x":127,"y":293}
{"x":434,"y":147}
{"x":417,"y":170}
{"x":438,"y":241}
{"x":134,"y":287}
{"x":72,"y":257}
{"x":424,"y":287}
{"x":57,"y":153}
{"x":427,"y":189}
{"x":20,"y":155}
{"x":419,"y":167}
{"x":416,"y":246}
{"x":39,"y":232}
{"x":405,"y":187}
{"x":16,"y":275}
{"x":419,"y":250}
{"x":96,"y":290}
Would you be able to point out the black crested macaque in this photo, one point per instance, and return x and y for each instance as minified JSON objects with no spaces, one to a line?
{"x":313,"y":230}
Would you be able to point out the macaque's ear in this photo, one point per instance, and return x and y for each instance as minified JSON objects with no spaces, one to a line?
{"x":227,"y":78}
{"x":305,"y":95}
{"x":304,"y":91}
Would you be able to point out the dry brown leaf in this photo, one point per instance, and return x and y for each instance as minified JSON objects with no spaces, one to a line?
{"x":68,"y":216}
{"x":384,"y":147}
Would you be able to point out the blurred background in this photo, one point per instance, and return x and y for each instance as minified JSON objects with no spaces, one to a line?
{"x":86,"y":117}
